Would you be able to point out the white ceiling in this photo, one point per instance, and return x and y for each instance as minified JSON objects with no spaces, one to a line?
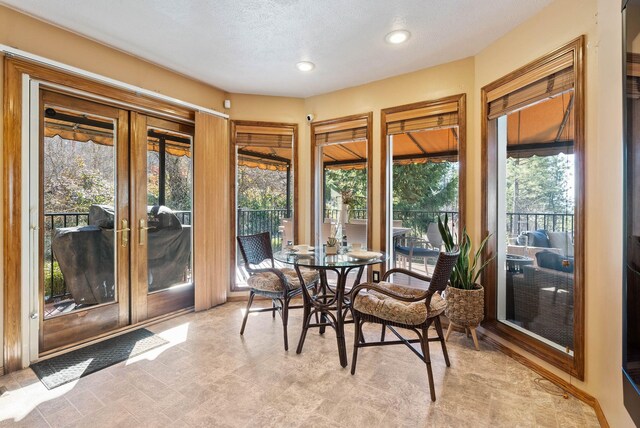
{"x":252,"y":46}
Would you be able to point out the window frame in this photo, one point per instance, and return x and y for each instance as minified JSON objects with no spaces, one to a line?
{"x":315,"y":174}
{"x":574,"y":365}
{"x":387,"y":166}
{"x":233,"y":181}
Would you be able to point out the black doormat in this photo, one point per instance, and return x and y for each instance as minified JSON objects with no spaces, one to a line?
{"x":72,"y":366}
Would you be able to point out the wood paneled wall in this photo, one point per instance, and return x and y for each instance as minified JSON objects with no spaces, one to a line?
{"x":211,"y":211}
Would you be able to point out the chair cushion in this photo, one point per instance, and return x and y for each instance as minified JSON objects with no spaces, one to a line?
{"x":267,"y":281}
{"x":537,"y":238}
{"x":417,"y":251}
{"x":390,"y":309}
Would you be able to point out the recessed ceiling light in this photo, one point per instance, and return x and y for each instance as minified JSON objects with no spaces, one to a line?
{"x":397,"y":37}
{"x":305,"y":66}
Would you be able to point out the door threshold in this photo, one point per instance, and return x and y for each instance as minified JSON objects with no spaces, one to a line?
{"x":114,"y":333}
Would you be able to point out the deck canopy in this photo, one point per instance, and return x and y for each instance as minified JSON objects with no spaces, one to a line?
{"x":268,"y":148}
{"x":84,"y":128}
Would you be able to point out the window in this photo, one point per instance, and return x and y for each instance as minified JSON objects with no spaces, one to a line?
{"x":424,"y":181}
{"x":264,"y":171}
{"x":533,"y":187}
{"x":342,"y":178}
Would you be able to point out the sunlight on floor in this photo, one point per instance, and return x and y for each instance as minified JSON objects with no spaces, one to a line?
{"x":26,"y":399}
{"x":174,"y":336}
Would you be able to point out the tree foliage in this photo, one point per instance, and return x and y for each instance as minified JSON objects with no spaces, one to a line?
{"x":339,"y":180}
{"x":77,"y":175}
{"x":261,"y":189}
{"x":540,"y":184}
{"x":427,"y":186}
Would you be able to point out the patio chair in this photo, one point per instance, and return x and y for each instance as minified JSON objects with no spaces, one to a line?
{"x":433,"y":236}
{"x":409,"y":247}
{"x":278,"y":284}
{"x":393,"y":305}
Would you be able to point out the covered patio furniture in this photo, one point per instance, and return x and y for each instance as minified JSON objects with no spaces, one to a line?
{"x":86,"y":254}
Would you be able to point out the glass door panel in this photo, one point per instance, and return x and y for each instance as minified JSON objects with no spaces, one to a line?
{"x":344,"y":188}
{"x":263,"y":187}
{"x":84,"y":234}
{"x":344,"y":192}
{"x":424,"y":186}
{"x":164,"y":234}
{"x":536,"y":211}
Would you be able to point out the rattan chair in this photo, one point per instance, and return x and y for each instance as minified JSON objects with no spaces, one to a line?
{"x":394,"y":305}
{"x":278,"y":284}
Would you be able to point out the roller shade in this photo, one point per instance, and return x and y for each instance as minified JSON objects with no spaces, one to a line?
{"x":423,"y":123}
{"x":552,"y":78}
{"x":263,"y":140}
{"x":264,"y":147}
{"x":420,"y":119}
{"x":341,"y":132}
{"x":346,"y":136}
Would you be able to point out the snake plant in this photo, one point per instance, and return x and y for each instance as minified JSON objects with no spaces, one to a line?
{"x":468,"y":267}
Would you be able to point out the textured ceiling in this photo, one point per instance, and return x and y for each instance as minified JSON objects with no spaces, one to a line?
{"x":252,"y":46}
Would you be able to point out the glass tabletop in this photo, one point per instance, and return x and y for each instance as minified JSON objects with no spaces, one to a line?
{"x":319,"y":259}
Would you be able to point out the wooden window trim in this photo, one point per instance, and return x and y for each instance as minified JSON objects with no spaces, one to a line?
{"x":255,"y":125}
{"x":336,"y":124}
{"x":431,"y":105}
{"x":572,"y":365}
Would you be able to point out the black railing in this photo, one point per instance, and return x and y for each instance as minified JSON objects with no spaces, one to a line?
{"x":54,"y":285}
{"x":520,"y":222}
{"x":418,"y":221}
{"x":256,"y":221}
{"x":250,"y":222}
{"x":334,"y":214}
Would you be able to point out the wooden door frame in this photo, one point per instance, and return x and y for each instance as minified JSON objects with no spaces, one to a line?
{"x":572,"y":365}
{"x":14,"y":71}
{"x":149,"y":305}
{"x":387,"y":167}
{"x":232,"y":181}
{"x":312,"y":215}
{"x":121,"y":159}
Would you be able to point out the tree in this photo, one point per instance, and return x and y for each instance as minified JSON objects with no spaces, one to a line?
{"x":540,"y":184}
{"x":77,"y":175}
{"x":260,"y":189}
{"x":430,"y":186}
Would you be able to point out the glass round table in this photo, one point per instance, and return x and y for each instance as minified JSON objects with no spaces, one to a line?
{"x":332,"y":302}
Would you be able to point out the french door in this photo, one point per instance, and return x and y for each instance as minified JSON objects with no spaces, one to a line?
{"x":114,"y":206}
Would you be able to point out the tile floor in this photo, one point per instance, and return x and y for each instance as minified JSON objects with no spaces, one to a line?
{"x":208,"y":375}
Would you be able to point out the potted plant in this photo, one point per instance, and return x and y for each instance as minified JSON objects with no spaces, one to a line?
{"x":332,"y":242}
{"x":464,"y":296}
{"x":332,"y":246}
{"x":348,"y":200}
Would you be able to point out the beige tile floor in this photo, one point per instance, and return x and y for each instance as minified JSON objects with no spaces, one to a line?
{"x":208,"y":375}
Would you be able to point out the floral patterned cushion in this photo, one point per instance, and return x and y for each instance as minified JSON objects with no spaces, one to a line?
{"x":267,"y":281}
{"x":390,"y":309}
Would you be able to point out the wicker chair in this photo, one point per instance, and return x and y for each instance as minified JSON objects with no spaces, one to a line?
{"x":394,"y":305}
{"x":279,"y":285}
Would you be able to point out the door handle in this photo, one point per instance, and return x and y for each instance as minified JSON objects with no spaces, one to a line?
{"x":143,"y":231}
{"x":125,"y":232}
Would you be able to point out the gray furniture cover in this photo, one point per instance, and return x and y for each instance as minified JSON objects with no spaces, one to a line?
{"x":86,"y":254}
